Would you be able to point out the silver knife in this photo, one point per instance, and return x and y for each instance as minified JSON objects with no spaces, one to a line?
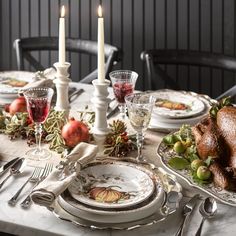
{"x":4,"y":168}
{"x":188,"y":208}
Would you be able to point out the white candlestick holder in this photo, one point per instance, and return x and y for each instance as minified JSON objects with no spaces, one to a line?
{"x":100,"y":101}
{"x":62,"y":85}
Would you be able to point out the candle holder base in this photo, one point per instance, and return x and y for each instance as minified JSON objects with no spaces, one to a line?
{"x":62,"y":86}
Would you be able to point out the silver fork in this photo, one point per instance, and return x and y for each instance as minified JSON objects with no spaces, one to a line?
{"x":47,"y":169}
{"x":33,"y":178}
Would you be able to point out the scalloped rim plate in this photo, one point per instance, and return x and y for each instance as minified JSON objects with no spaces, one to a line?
{"x":221,"y":195}
{"x":133,"y":183}
{"x":123,"y":215}
{"x":195,"y":104}
{"x":169,"y":183}
{"x":9,"y":91}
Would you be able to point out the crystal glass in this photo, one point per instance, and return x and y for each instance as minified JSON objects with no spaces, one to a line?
{"x":140,"y":107}
{"x":123,"y":83}
{"x":38,"y":105}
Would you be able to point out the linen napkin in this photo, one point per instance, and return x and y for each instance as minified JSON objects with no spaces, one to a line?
{"x":43,"y":79}
{"x":58,"y":181}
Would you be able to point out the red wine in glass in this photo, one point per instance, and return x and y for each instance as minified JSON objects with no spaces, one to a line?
{"x":38,"y":104}
{"x":38,"y":109}
{"x":121,"y":90}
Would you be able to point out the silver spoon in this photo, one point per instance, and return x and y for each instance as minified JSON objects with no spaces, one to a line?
{"x":207,"y":209}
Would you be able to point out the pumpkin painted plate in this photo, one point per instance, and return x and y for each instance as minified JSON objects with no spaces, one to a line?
{"x":112,"y":185}
{"x":176,"y":104}
{"x":144,"y":214}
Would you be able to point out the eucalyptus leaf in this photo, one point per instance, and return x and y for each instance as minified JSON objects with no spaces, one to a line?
{"x":179,"y":163}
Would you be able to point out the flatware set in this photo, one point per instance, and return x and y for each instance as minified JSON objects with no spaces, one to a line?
{"x":17,"y":166}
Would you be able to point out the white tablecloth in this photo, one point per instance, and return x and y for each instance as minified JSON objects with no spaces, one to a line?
{"x":39,"y":221}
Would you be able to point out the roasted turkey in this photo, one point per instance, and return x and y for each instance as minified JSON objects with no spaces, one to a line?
{"x":217,"y":138}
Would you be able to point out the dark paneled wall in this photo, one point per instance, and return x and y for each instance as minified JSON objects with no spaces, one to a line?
{"x":133,"y":25}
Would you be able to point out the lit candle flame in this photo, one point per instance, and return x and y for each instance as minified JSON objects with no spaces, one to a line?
{"x":63,"y":11}
{"x":99,"y":11}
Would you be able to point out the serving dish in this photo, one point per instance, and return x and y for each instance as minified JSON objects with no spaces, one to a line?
{"x":169,"y":185}
{"x":227,"y":197}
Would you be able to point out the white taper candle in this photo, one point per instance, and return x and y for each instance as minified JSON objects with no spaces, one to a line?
{"x":62,"y":46}
{"x":101,"y":57}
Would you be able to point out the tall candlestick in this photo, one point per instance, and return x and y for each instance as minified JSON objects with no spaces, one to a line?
{"x":62,"y":47}
{"x":101,"y":58}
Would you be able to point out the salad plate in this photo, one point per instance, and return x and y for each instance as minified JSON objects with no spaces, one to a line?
{"x":164,"y":207}
{"x":112,"y":185}
{"x":165,"y":153}
{"x":177,"y":104}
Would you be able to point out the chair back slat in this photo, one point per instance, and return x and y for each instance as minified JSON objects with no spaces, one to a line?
{"x":155,"y":58}
{"x":25,"y":46}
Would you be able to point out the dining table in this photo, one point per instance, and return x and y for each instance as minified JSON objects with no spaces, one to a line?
{"x":38,"y":220}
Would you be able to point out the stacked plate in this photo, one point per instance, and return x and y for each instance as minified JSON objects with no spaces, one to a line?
{"x":113,"y":192}
{"x":175,"y":108}
{"x":11,"y":82}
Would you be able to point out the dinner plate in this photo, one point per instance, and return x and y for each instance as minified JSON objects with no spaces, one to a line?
{"x":169,"y":184}
{"x":123,"y":215}
{"x":167,"y":125}
{"x":12,"y":81}
{"x":176,"y":104}
{"x":224,"y":196}
{"x":112,"y":185}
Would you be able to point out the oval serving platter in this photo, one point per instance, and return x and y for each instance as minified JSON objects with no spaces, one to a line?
{"x":224,"y":196}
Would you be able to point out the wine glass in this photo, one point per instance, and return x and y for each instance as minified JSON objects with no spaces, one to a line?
{"x":38,"y":102}
{"x":123,"y":83}
{"x":140,"y":107}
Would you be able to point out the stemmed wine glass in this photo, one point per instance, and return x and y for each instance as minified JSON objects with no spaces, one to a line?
{"x":140,"y":107}
{"x":123,"y":83}
{"x":38,"y":105}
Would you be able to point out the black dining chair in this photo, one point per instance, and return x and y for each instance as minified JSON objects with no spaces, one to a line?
{"x":25,"y":46}
{"x":155,"y":58}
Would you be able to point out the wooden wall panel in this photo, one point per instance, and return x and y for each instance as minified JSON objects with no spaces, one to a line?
{"x":132,"y":25}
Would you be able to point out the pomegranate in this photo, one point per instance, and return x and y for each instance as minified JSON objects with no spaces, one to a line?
{"x":18,"y":105}
{"x":74,"y":132}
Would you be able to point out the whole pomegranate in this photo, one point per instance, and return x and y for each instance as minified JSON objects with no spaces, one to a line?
{"x":18,"y":105}
{"x":75,"y":131}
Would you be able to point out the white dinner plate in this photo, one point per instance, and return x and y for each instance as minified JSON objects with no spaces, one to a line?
{"x":112,"y":185}
{"x":192,"y":105}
